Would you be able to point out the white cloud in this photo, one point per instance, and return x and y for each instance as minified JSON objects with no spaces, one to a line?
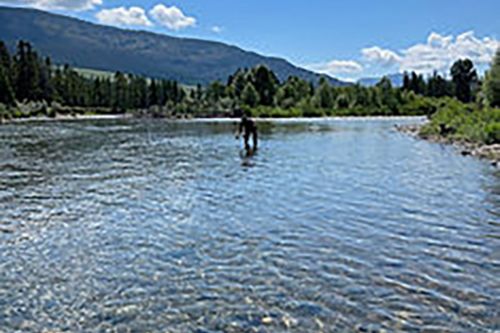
{"x":337,"y":67}
{"x":171,"y":17}
{"x":437,"y":54}
{"x":481,"y":51}
{"x":121,"y":16}
{"x":76,"y":5}
{"x":437,"y":40}
{"x":216,"y":29}
{"x":381,"y":56}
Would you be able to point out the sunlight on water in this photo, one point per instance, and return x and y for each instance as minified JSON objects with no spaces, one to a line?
{"x":333,"y":226}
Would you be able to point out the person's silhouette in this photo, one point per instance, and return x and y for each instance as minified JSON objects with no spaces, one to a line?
{"x":248,"y":127}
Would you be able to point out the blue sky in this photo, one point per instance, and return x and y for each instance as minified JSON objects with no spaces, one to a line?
{"x":347,"y":39}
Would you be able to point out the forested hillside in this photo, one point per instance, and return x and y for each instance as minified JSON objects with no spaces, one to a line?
{"x":82,"y":44}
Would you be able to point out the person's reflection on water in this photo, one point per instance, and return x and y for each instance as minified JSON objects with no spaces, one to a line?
{"x":248,"y":128}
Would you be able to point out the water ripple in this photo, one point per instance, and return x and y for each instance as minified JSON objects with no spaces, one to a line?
{"x":334,"y":226}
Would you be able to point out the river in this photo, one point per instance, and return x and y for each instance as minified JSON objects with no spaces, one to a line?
{"x":335,"y":225}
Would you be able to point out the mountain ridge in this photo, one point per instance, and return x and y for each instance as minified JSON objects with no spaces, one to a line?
{"x":86,"y":44}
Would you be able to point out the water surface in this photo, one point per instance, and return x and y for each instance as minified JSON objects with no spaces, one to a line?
{"x":157,"y":226}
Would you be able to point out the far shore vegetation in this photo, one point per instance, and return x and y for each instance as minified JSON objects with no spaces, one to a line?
{"x":474,"y":115}
{"x":463,"y":108}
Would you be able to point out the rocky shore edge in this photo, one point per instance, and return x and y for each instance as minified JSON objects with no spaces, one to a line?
{"x":490,"y":153}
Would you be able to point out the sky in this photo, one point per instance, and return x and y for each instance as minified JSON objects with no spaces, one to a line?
{"x":348,"y":39}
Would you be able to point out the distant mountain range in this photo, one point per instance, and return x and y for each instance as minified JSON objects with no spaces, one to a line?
{"x":87,"y":45}
{"x":396,"y":79}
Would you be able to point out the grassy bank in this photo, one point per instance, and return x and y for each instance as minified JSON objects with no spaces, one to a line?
{"x":466,"y":123}
{"x":415,"y":106}
{"x":418,"y":106}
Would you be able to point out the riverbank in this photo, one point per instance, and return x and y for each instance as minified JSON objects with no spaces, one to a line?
{"x":40,"y":111}
{"x":210,"y":119}
{"x":489,"y":152}
{"x":414,"y":106}
{"x":471,"y":130}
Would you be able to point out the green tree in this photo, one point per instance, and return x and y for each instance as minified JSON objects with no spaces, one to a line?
{"x":138,"y":92}
{"x":96,"y":91}
{"x":215,"y":91}
{"x":6,"y":60}
{"x":342,"y":102}
{"x":360,"y":96}
{"x":106,"y":92}
{"x":120,"y":92}
{"x":153,"y":93}
{"x":6,"y":92}
{"x":387,"y":94}
{"x":46,"y":83}
{"x":492,"y":82}
{"x":250,"y":96}
{"x":323,"y":96}
{"x":7,"y":95}
{"x":266,"y":83}
{"x":71,"y":87}
{"x":291,"y":92}
{"x":27,"y":72}
{"x":238,"y":82}
{"x":417,"y":83}
{"x":406,"y":82}
{"x":179,"y":93}
{"x":464,"y":76}
{"x":437,"y":86}
{"x":162,"y":92}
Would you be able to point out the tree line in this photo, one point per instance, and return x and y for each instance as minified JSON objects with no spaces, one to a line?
{"x":26,"y":76}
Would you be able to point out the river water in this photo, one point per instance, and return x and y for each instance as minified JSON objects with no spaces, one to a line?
{"x":158,"y":226}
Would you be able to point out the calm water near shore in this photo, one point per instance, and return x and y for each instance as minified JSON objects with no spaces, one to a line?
{"x":157,"y":226}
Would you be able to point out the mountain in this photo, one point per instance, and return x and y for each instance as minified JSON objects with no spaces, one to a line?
{"x":87,"y":45}
{"x":396,"y":79}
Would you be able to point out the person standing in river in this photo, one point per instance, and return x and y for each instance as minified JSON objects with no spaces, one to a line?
{"x":248,"y":127}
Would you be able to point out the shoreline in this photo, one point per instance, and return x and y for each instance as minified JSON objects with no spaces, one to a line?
{"x":63,"y":117}
{"x":203,"y":119}
{"x":481,"y":151}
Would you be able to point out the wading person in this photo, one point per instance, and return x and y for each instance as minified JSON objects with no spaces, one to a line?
{"x":248,"y":128}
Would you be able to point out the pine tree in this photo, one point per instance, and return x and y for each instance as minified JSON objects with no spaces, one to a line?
{"x":6,"y":60}
{"x":199,"y":92}
{"x":406,"y":82}
{"x":175,"y":92}
{"x":7,"y":95}
{"x":250,"y":96}
{"x":238,"y":83}
{"x":31,"y":72}
{"x":21,"y":72}
{"x":215,"y":91}
{"x":464,"y":76}
{"x":153,"y":93}
{"x":265,"y":82}
{"x":142,"y":87}
{"x":417,"y":84}
{"x":6,"y":92}
{"x":46,"y":85}
{"x":96,"y":99}
{"x":324,"y":95}
{"x":106,"y":93}
{"x":121,"y":102}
